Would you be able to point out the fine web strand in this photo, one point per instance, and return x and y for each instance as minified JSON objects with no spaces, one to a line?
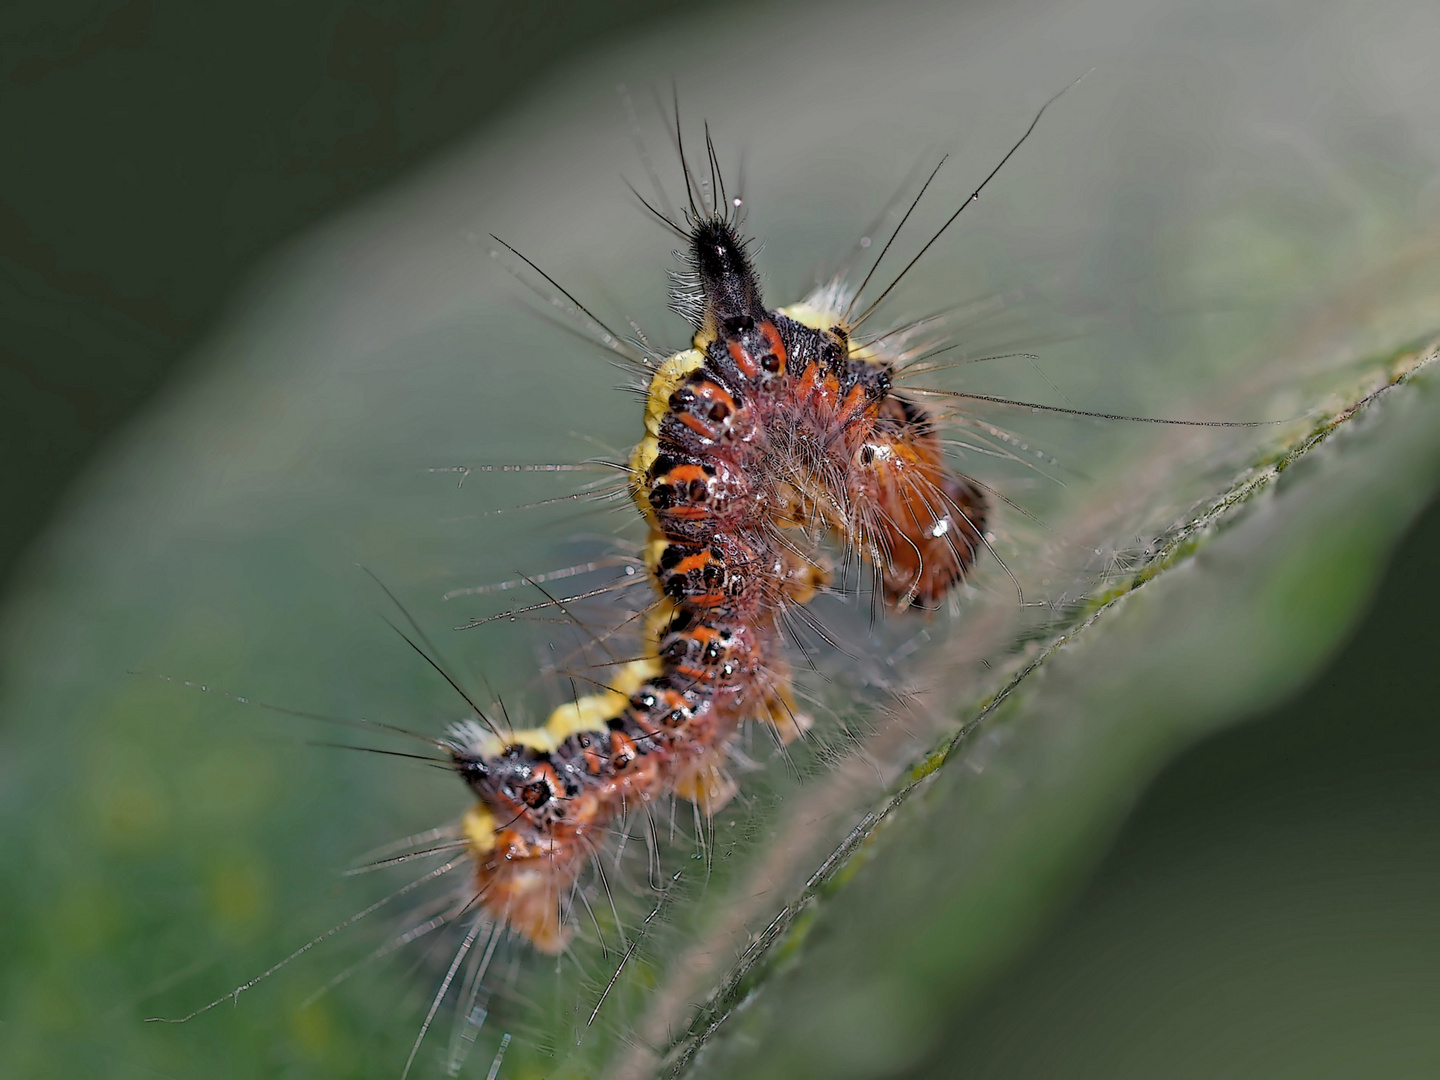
{"x":234,"y":995}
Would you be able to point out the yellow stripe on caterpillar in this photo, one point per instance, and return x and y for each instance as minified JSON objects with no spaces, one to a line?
{"x":809,"y":314}
{"x":654,"y":549}
{"x":590,"y":712}
{"x":641,"y":458}
{"x":673,"y":371}
{"x":658,"y":621}
{"x":478,"y":827}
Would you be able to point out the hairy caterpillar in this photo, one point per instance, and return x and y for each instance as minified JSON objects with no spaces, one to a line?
{"x":770,"y":433}
{"x":773,"y":431}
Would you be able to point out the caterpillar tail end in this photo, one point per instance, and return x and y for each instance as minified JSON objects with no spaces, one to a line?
{"x":520,"y":883}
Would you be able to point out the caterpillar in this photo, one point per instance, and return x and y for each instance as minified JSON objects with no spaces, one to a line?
{"x":774,"y":431}
{"x":771,"y":433}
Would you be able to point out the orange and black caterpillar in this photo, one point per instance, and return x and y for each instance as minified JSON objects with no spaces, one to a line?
{"x":770,"y":434}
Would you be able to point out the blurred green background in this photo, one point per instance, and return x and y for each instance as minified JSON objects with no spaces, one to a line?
{"x":157,"y":151}
{"x":1264,"y":910}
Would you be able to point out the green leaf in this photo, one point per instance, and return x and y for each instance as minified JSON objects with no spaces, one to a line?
{"x":1226,"y":221}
